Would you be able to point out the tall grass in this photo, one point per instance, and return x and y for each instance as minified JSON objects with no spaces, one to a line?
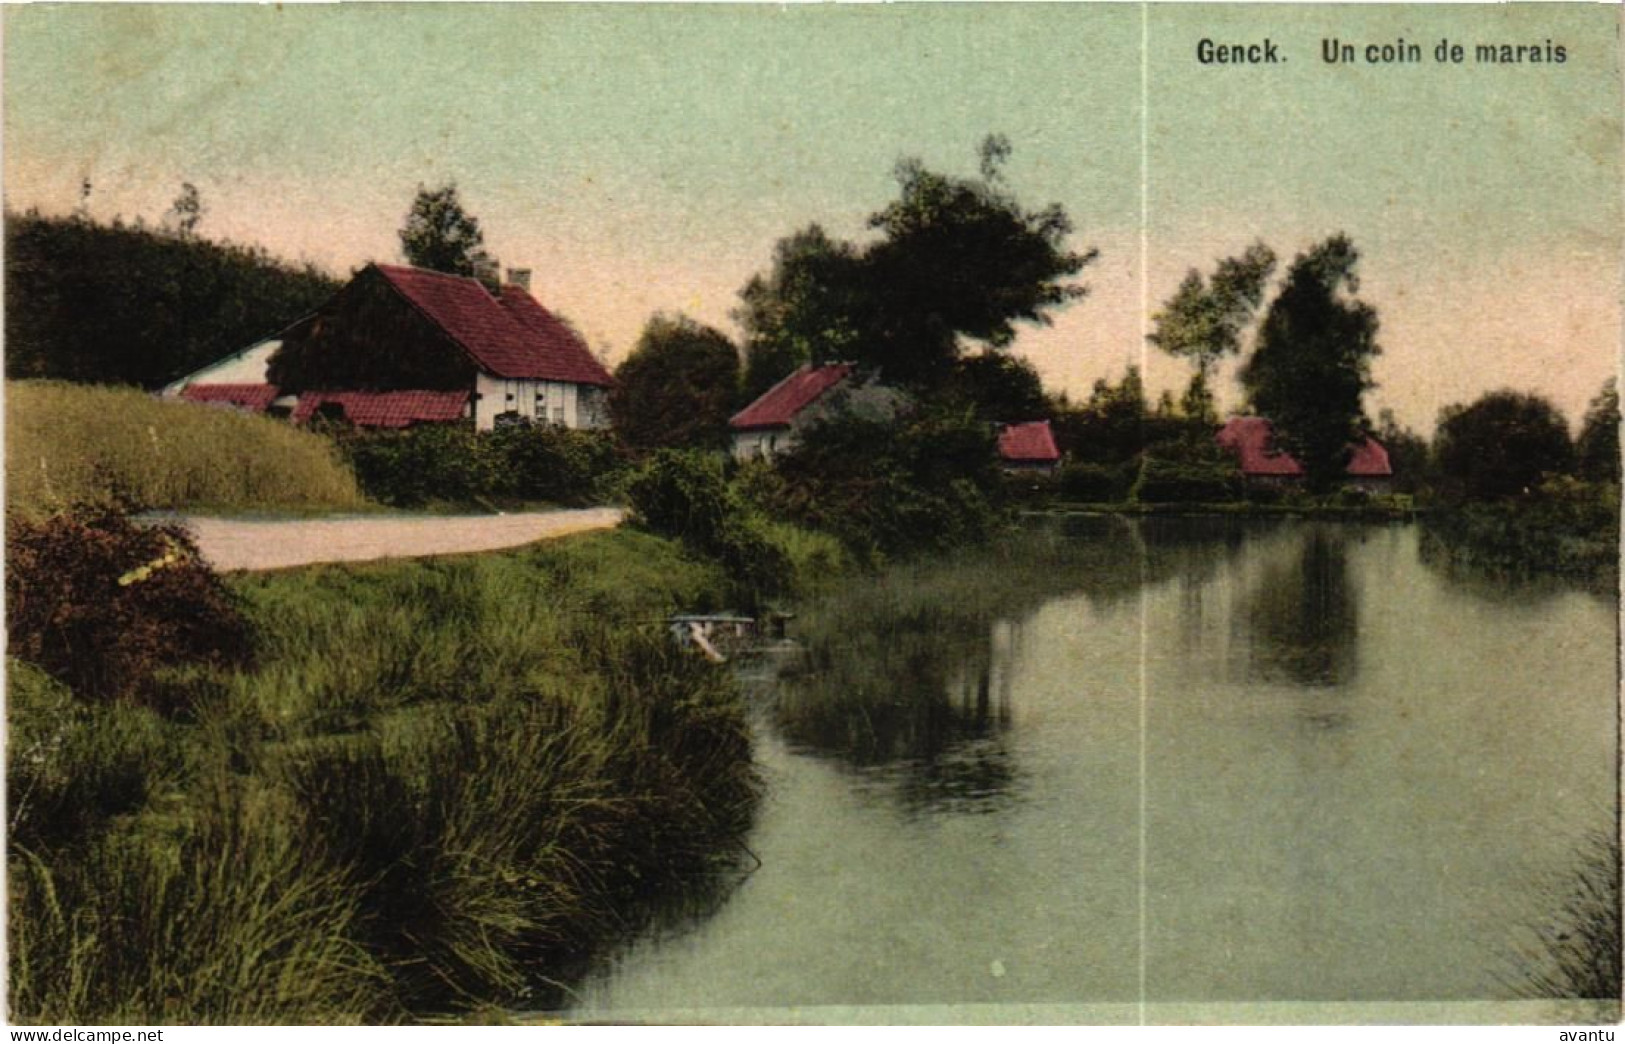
{"x":69,"y":444}
{"x":445,"y":785}
{"x":1578,"y":956}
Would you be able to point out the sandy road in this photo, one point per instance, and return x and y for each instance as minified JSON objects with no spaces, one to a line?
{"x":233,"y":544}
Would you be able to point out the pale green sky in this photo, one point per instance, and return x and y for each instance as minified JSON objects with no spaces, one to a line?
{"x":646,"y":158}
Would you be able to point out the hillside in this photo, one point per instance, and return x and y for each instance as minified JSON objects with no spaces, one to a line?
{"x":116,"y":304}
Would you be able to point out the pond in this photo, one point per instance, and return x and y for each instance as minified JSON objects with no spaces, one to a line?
{"x":1162,"y":769}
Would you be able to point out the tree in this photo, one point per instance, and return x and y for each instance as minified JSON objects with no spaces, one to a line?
{"x":961,"y":258}
{"x":1597,"y":451}
{"x":1407,"y":454}
{"x":440,"y":235}
{"x":1000,"y":388}
{"x":1204,"y":320}
{"x":804,"y":310}
{"x":957,"y":260}
{"x":1312,"y":366}
{"x":187,"y":210}
{"x":1500,"y":446}
{"x":677,"y":388}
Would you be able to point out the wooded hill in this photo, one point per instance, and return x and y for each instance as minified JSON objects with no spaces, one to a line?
{"x":136,"y":305}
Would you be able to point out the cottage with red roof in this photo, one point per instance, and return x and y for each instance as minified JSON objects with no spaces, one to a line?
{"x":399,"y":346}
{"x":772,"y":423}
{"x":1028,"y":447}
{"x":1251,"y":439}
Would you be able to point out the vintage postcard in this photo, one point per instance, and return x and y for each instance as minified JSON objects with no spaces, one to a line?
{"x":894,"y":513}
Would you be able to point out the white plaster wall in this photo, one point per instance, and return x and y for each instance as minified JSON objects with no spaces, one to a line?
{"x":561,"y":402}
{"x":244,"y":367}
{"x":748,"y":445}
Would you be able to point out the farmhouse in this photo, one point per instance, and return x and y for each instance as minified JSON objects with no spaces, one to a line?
{"x":772,"y":424}
{"x":1028,"y":447}
{"x":1251,"y":439}
{"x":399,"y":346}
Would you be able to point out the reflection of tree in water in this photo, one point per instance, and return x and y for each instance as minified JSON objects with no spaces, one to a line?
{"x":1491,"y":581}
{"x":930,"y":723}
{"x":908,"y":675}
{"x":1302,"y":617}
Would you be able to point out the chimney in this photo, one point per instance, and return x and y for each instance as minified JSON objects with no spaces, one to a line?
{"x":488,"y":271}
{"x":519,"y":277}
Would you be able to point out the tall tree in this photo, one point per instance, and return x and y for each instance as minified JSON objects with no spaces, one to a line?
{"x":962,"y":258}
{"x":804,"y":310}
{"x":440,"y":235}
{"x":1408,"y":453}
{"x":1502,"y":445}
{"x":957,"y":260}
{"x":1204,"y":320}
{"x":677,"y":388}
{"x":1312,"y":366}
{"x":1597,"y":451}
{"x":1000,"y":388}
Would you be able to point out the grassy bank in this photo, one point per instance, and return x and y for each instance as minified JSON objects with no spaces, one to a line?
{"x":442,"y":786}
{"x":70,"y":444}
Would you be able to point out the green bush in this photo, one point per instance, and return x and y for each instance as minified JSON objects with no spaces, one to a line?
{"x":431,"y":462}
{"x":104,"y":605}
{"x":451,"y":463}
{"x":924,"y":482}
{"x":682,"y":494}
{"x":1167,"y":482}
{"x":1090,"y":483}
{"x":562,"y":465}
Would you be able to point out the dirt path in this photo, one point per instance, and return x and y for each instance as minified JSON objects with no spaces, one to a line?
{"x":232,"y":544}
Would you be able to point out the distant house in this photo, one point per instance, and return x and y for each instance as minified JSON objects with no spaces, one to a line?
{"x":772,"y":424}
{"x":1251,"y":439}
{"x":399,"y":346}
{"x":1028,"y":447}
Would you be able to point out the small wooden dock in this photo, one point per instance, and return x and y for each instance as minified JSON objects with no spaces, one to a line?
{"x":720,"y":637}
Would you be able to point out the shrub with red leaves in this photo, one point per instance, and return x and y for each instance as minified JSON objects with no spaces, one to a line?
{"x":102,"y":605}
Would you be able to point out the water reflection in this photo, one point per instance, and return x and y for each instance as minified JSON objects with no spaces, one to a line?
{"x":1301,"y":617}
{"x":910,"y":680}
{"x":1492,"y":583}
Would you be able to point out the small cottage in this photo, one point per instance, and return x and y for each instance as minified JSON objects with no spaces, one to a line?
{"x":1028,"y":447}
{"x":399,"y":346}
{"x":1252,"y":440}
{"x":772,"y":424}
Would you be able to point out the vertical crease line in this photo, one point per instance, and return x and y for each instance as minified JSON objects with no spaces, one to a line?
{"x":1145,"y":292}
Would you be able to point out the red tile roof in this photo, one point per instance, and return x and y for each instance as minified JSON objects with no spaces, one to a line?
{"x":1029,"y":443}
{"x":253,"y":397}
{"x":561,"y":348}
{"x":779,"y":405}
{"x":388,"y":409}
{"x":514,"y":337}
{"x":1250,"y":439}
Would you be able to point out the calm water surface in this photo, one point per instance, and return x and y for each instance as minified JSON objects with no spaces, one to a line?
{"x":1225,"y":762}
